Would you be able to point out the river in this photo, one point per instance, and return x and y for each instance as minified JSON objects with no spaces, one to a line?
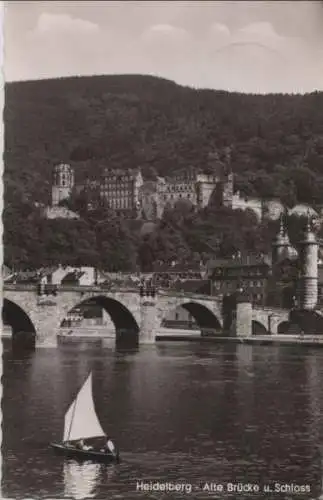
{"x":194,"y":416}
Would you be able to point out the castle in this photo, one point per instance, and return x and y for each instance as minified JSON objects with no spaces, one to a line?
{"x":129,"y":195}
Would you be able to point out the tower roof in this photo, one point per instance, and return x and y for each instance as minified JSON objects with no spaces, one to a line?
{"x":282,"y":238}
{"x":287,"y":251}
{"x":62,"y":167}
{"x":309,"y":234}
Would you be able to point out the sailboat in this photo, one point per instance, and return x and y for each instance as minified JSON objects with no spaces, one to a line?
{"x":81,"y":422}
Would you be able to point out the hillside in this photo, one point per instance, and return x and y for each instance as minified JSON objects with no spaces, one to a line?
{"x":124,"y":121}
{"x":128,"y":121}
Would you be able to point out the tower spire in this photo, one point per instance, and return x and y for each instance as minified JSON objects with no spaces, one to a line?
{"x":282,"y":227}
{"x":309,"y":222}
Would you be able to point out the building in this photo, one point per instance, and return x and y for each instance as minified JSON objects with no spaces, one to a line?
{"x":288,"y":278}
{"x":172,"y":189}
{"x":126,"y":192}
{"x":249,"y":272}
{"x":120,"y":189}
{"x":194,"y":187}
{"x":59,"y":212}
{"x":63,"y":183}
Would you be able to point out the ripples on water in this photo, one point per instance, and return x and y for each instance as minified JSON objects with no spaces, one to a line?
{"x":180,"y":413}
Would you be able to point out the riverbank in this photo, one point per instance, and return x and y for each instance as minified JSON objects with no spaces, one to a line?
{"x":306,"y":341}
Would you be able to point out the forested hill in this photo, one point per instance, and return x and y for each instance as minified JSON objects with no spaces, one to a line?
{"x":128,"y":121}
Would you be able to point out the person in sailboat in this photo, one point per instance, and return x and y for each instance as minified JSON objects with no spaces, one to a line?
{"x":82,"y":446}
{"x":109,"y":447}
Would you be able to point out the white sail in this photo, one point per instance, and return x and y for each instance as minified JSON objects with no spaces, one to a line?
{"x":81,"y":421}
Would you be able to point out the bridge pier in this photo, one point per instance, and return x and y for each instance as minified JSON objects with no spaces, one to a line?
{"x":46,"y":319}
{"x":242,"y":324}
{"x":148,"y":316}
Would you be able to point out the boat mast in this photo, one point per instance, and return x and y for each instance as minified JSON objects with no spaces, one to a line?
{"x":72,"y":418}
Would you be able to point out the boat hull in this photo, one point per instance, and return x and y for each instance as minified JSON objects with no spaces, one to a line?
{"x":84,"y":455}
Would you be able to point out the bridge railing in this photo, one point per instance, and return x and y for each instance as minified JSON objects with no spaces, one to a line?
{"x":68,"y":288}
{"x":49,"y":288}
{"x":176,"y":293}
{"x":269,"y":309}
{"x":20,"y":286}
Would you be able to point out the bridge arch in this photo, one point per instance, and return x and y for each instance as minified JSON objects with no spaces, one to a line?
{"x":23,"y":329}
{"x":204,"y":319}
{"x":258,"y":328}
{"x":288,"y":328}
{"x":125,"y":324}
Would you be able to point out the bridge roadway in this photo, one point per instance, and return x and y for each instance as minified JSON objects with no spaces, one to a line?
{"x":26,"y":310}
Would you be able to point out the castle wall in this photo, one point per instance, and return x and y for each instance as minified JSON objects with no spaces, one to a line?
{"x":254,"y":204}
{"x":205,"y":186}
{"x":59,"y":194}
{"x":57,"y":212}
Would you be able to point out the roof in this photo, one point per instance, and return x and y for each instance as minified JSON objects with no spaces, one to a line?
{"x":243,"y":261}
{"x":302,"y":209}
{"x":46,"y":271}
{"x":177,"y":268}
{"x":193,"y":286}
{"x":24,"y":276}
{"x":130,"y":172}
{"x":72,"y":276}
{"x":6,"y":271}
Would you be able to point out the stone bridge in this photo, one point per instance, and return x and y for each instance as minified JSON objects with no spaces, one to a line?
{"x":269,"y":320}
{"x":42,"y":315}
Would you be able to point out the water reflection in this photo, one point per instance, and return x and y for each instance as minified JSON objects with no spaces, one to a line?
{"x":81,"y":479}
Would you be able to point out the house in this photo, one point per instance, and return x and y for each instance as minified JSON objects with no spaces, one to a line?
{"x":252,"y":273}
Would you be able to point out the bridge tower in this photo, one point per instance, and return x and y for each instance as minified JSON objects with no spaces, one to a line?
{"x":63,"y":183}
{"x":308,"y":283}
{"x":281,"y":243}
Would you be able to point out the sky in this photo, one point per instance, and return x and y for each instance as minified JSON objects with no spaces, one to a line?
{"x":245,"y":46}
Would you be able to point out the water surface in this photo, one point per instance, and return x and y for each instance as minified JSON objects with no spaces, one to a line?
{"x":181,"y":413}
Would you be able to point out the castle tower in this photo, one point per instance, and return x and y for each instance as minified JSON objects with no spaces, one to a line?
{"x":227,"y":182}
{"x":308,"y":283}
{"x":227,"y":190}
{"x":63,"y":183}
